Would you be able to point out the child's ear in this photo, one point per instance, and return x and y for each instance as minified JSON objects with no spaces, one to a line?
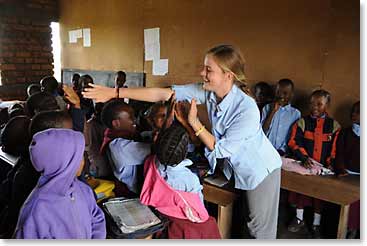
{"x":115,"y":124}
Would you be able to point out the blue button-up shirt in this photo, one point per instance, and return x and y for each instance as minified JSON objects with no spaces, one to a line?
{"x":126,"y":155}
{"x":181,"y":178}
{"x":239,"y":138}
{"x":279,"y":129}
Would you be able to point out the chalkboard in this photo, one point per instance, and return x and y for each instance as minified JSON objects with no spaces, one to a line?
{"x":105,"y":77}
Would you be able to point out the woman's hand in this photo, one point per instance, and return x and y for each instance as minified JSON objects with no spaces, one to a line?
{"x":99,"y":93}
{"x":71,"y":96}
{"x":193,"y":114}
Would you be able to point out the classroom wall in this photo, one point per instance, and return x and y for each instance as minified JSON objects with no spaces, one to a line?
{"x":25,"y":44}
{"x":315,"y":43}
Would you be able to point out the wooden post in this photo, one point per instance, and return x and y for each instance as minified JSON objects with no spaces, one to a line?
{"x":225,"y":220}
{"x":343,"y":221}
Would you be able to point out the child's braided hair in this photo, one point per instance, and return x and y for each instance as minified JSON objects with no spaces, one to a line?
{"x":171,"y":145}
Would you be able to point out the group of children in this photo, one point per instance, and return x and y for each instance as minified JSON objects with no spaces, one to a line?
{"x":46,"y":195}
{"x":311,"y":139}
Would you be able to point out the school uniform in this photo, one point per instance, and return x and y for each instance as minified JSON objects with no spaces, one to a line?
{"x":60,"y":206}
{"x":183,"y":207}
{"x":279,"y":129}
{"x":248,"y":154}
{"x":348,"y":158}
{"x":315,"y":138}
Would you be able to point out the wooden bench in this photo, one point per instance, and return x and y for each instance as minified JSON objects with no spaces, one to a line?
{"x":224,"y":198}
{"x":342,"y":191}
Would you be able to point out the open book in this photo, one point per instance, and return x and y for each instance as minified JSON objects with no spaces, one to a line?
{"x":217,"y":179}
{"x":130,"y":215}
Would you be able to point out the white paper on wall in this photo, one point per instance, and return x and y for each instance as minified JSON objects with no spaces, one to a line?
{"x":152,"y":52}
{"x":86,"y":37}
{"x":78,"y":33}
{"x":160,"y":67}
{"x":151,"y":44}
{"x":72,"y":37}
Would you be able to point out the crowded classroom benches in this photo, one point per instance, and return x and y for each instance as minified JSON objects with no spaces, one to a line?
{"x":138,"y":116}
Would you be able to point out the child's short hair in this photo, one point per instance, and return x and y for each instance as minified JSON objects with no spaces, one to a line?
{"x":322,"y":93}
{"x":112,"y":110}
{"x":85,"y":80}
{"x":41,"y":101}
{"x":171,"y":145}
{"x":152,"y":110}
{"x":286,"y":82}
{"x":32,"y":89}
{"x":48,"y":119}
{"x":15,"y":137}
{"x":49,"y":84}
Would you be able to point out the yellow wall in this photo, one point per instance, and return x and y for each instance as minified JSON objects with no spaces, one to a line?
{"x":315,"y":43}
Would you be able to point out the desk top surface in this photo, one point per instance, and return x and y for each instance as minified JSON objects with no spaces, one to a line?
{"x":342,"y":191}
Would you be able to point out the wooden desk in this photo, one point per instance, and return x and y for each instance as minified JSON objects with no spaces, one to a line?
{"x":224,"y":198}
{"x":342,"y":191}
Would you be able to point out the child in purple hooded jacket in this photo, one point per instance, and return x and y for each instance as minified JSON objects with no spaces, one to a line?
{"x":60,"y":206}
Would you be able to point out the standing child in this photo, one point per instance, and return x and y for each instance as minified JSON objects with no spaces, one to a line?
{"x":313,"y":137}
{"x":279,"y":116}
{"x":126,"y":154}
{"x":263,"y":93}
{"x":174,"y":190}
{"x":61,"y":206}
{"x":347,"y":161}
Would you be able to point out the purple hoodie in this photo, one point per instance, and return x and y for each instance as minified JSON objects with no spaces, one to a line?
{"x":60,"y":206}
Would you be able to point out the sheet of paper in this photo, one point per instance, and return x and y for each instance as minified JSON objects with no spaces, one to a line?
{"x":86,"y":37}
{"x":151,"y":36}
{"x":72,"y":36}
{"x":78,"y":33}
{"x":160,"y":67}
{"x":152,"y":51}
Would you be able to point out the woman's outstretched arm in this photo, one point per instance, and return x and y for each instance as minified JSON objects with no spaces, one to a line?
{"x":103,"y":94}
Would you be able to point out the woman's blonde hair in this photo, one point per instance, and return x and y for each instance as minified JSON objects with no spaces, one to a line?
{"x":230,"y":59}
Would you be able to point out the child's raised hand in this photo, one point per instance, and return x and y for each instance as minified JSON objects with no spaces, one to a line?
{"x":71,"y":96}
{"x":99,"y":93}
{"x":181,"y":111}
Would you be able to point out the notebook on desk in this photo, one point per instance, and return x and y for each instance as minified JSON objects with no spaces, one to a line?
{"x":217,"y":179}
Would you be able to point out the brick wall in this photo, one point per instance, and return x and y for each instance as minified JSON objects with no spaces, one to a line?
{"x":25,"y":44}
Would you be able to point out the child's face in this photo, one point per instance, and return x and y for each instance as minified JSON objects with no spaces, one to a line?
{"x":159,"y":118}
{"x":120,"y":80}
{"x":318,"y":105}
{"x":126,"y":122}
{"x":355,"y":114}
{"x":260,"y":96}
{"x":283,"y":94}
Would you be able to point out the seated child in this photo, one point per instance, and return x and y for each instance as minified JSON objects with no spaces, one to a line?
{"x":279,"y":116}
{"x":93,"y":132}
{"x":49,"y":84}
{"x":32,"y":89}
{"x":347,"y":161}
{"x":87,"y":105}
{"x":61,"y":206}
{"x":75,"y":82}
{"x":156,"y":116}
{"x":173,"y":189}
{"x":126,"y":153}
{"x":40,"y":101}
{"x":313,"y":136}
{"x":23,"y":178}
{"x":263,"y":93}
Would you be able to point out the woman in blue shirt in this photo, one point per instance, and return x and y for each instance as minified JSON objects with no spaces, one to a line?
{"x":236,"y":135}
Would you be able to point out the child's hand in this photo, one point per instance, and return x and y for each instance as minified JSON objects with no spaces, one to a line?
{"x":308,"y":163}
{"x":182,"y":111}
{"x":71,"y":96}
{"x":342,"y":173}
{"x":276,"y":106}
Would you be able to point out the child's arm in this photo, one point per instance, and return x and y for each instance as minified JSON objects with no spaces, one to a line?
{"x":295,"y":143}
{"x":98,"y":223}
{"x":273,"y":109}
